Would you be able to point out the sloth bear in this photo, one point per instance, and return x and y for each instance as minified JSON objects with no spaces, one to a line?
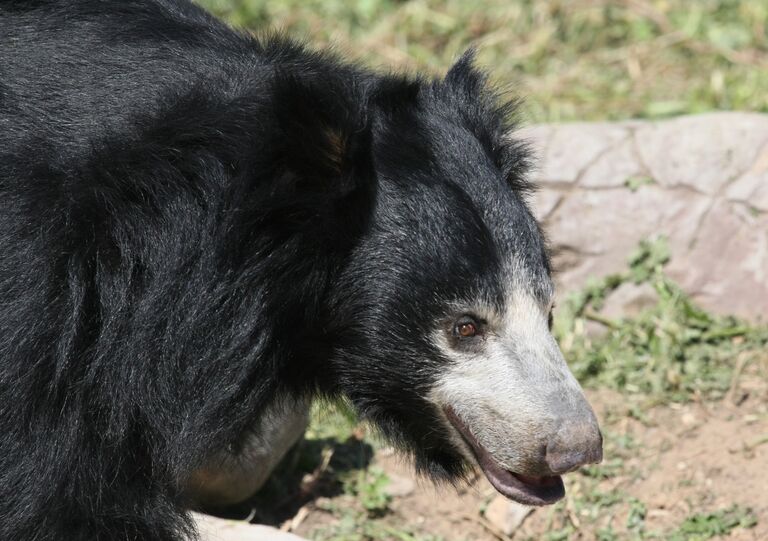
{"x":201,"y":231}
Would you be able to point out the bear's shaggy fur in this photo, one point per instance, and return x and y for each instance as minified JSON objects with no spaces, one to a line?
{"x":195,"y":223}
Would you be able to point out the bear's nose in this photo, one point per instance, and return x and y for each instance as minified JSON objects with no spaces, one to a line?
{"x":576,"y":443}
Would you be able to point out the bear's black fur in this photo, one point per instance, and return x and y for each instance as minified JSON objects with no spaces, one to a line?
{"x":193,"y":222}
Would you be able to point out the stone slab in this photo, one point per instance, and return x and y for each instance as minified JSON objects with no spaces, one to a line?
{"x":702,"y":152}
{"x":700,"y":180}
{"x":218,"y":529}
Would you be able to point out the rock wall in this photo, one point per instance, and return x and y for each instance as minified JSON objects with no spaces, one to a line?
{"x":700,"y":180}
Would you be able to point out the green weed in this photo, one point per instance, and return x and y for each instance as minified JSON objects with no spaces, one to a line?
{"x":636,"y":518}
{"x":670,"y":352}
{"x":703,"y":526}
{"x":369,"y":486}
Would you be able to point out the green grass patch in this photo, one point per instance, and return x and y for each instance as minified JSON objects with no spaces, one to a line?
{"x":369,"y":487}
{"x":669,"y":352}
{"x":702,"y":526}
{"x":582,"y":59}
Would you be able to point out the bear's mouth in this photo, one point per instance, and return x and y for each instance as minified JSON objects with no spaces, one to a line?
{"x":525,"y":489}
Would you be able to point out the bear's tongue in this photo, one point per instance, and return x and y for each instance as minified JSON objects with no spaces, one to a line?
{"x":525,"y":489}
{"x":531,"y":480}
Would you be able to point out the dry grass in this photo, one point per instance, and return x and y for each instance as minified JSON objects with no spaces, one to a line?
{"x":571,"y":59}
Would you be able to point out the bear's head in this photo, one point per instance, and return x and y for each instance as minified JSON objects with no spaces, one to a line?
{"x":437,"y":322}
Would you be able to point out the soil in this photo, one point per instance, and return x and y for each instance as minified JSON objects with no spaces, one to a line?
{"x":681,"y":460}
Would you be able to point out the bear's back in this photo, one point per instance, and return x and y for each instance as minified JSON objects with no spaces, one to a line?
{"x":74,"y":72}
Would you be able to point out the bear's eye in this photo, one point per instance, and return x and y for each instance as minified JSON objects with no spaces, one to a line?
{"x":465,"y":328}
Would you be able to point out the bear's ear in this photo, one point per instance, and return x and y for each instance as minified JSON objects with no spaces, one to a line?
{"x":465,"y":77}
{"x":323,"y":144}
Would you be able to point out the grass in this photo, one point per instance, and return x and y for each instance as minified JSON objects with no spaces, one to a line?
{"x":671,"y":352}
{"x":703,"y":526}
{"x":571,"y":59}
{"x":356,"y":526}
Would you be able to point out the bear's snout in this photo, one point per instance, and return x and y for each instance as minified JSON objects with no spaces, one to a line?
{"x":577,"y":442}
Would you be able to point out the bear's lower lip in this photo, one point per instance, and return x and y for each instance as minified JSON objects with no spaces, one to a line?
{"x":525,"y":489}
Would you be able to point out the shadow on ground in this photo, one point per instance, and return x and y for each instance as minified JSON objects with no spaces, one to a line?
{"x":313,"y":469}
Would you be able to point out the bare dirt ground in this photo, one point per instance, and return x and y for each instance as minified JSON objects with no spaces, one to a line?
{"x":662,"y":465}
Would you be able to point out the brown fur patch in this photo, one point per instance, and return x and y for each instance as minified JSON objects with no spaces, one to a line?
{"x":337,"y":148}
